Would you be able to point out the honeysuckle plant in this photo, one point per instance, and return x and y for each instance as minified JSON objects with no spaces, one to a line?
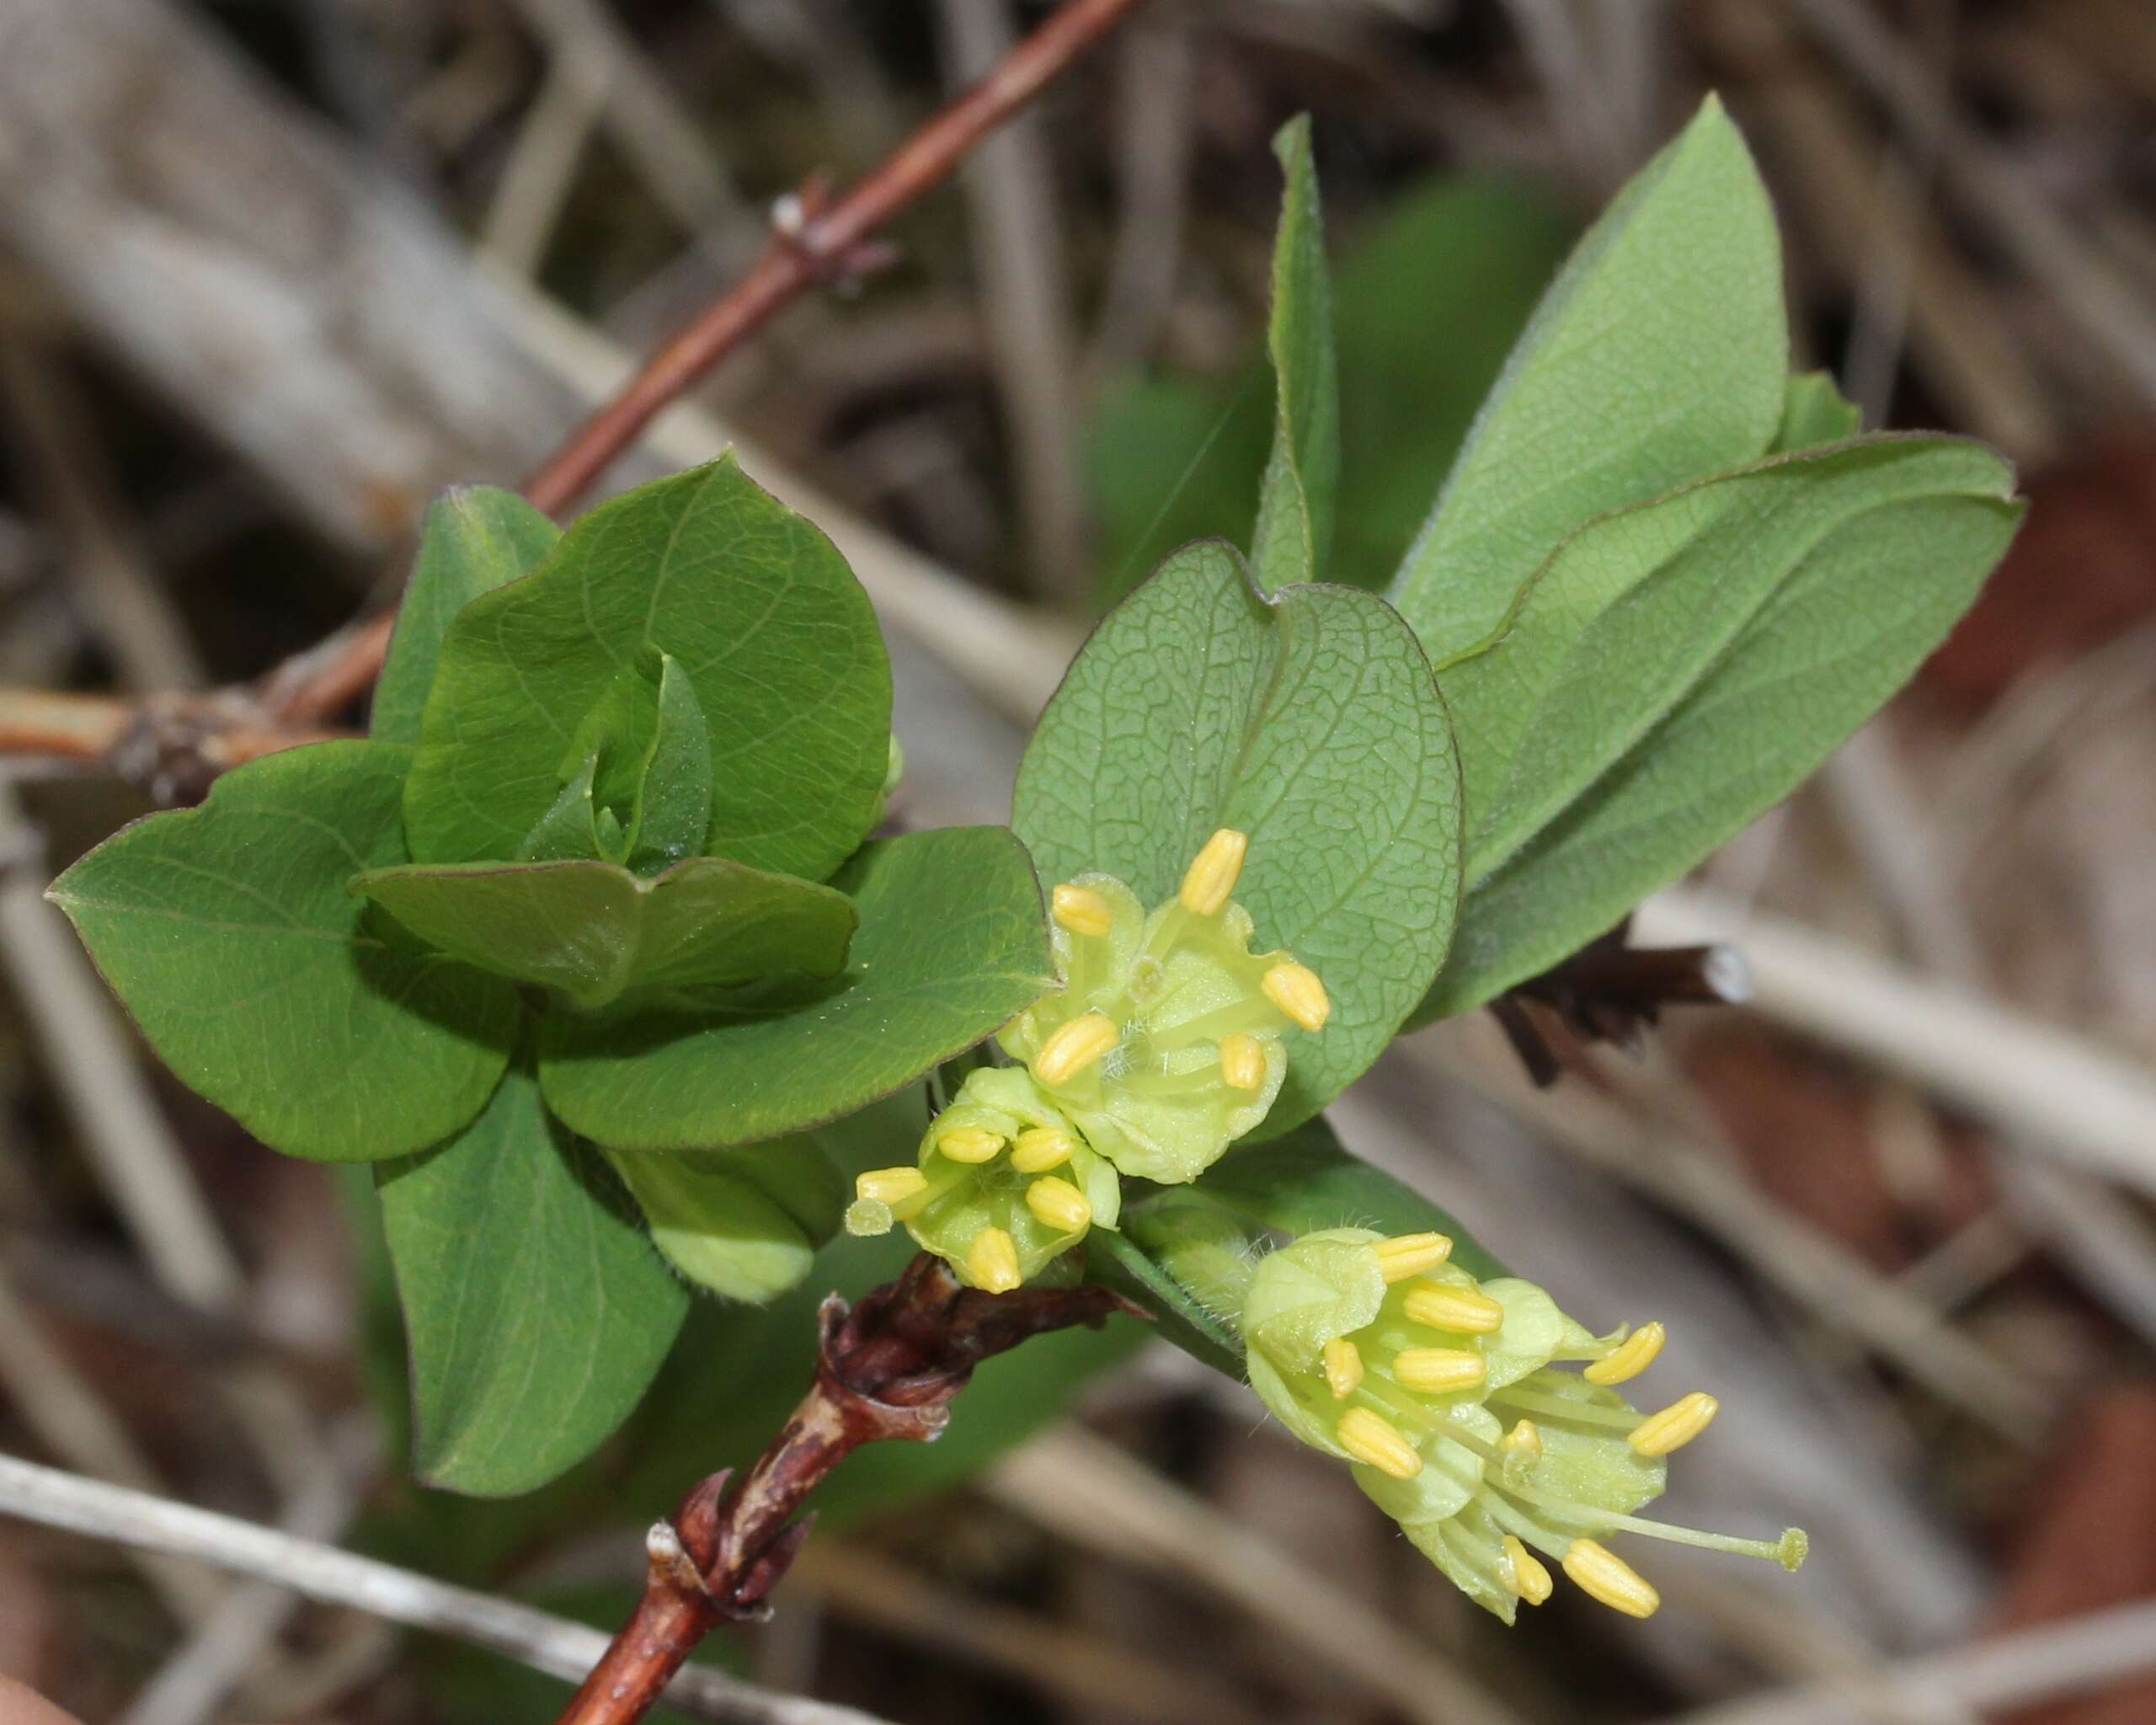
{"x":591,"y":950}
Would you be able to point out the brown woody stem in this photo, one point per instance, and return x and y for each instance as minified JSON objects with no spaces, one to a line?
{"x":825,"y":244}
{"x":889,"y":1367}
{"x":828,"y":241}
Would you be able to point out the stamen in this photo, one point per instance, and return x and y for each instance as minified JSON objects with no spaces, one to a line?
{"x":1296,"y":991}
{"x":1376,"y":1441}
{"x":1081,"y":910}
{"x":1528,"y":1577}
{"x":1344,"y":1367}
{"x":1438,"y":1372}
{"x":1211,"y":876}
{"x":1522,"y":1439}
{"x":890,"y":1185}
{"x":1676,"y":1425}
{"x":1243,"y":1062}
{"x":1406,"y":1255}
{"x":1565,"y":1409}
{"x":1519,"y":1454}
{"x":1189,"y":1081}
{"x":992,"y":1261}
{"x":1634,"y":1356}
{"x":1385,"y":1391}
{"x":1237,"y":1017}
{"x":1790,"y":1551}
{"x":1039,"y":1148}
{"x":1077,"y":1046}
{"x":1060,"y":1204}
{"x":1602,"y":1574}
{"x":1459,"y":1309}
{"x":970,"y":1143}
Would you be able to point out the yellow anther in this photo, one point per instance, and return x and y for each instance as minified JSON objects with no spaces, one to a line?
{"x":1081,"y":910}
{"x":1295,"y":989}
{"x":1603,"y":1575}
{"x":1406,"y":1255}
{"x":970,"y":1143}
{"x":1039,"y":1148}
{"x":1522,"y":1439}
{"x":992,"y":1261}
{"x":1212,"y":874}
{"x":1077,"y":1046}
{"x":1060,"y":1204}
{"x":890,"y":1185}
{"x":1460,"y":1309}
{"x":1374,"y":1440}
{"x":1676,"y":1425}
{"x":1529,"y":1579}
{"x":1344,"y":1367}
{"x":1243,"y":1062}
{"x":1437,"y":1372}
{"x":1635,"y":1354}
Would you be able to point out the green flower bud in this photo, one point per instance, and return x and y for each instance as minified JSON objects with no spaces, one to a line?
{"x":1005,"y":1183}
{"x":1447,"y":1396}
{"x":744,"y":1222}
{"x":1165,"y":1045}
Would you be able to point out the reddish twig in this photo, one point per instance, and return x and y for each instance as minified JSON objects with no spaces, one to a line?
{"x":814,"y":242}
{"x":887,"y":1368}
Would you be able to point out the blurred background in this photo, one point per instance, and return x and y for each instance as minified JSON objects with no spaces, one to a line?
{"x":273,"y":272}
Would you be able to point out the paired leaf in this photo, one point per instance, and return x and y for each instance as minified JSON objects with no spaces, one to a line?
{"x":773,"y":633}
{"x":745,"y":1223}
{"x":1681,"y":666}
{"x":951,"y":944}
{"x":1295,"y":500}
{"x":1309,"y":721}
{"x":227,"y":932}
{"x":596,"y":931}
{"x":1659,"y":354}
{"x":477,"y":537}
{"x":536,"y":1310}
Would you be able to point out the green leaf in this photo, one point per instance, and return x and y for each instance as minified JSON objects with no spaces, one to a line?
{"x":1186,"y":1252}
{"x":596,"y":931}
{"x":745,"y":1223}
{"x":537,"y":1311}
{"x":1682,"y":666}
{"x":477,"y":537}
{"x":1659,"y":355}
{"x":1294,"y":505}
{"x":951,"y":944}
{"x":1309,"y":721}
{"x":1308,"y":1182}
{"x":673,"y":801}
{"x":227,"y":932}
{"x":1815,"y":413}
{"x":568,"y":832}
{"x":775,"y":635}
{"x":1175,"y":458}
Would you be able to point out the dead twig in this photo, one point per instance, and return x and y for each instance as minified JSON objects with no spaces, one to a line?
{"x":816,"y":240}
{"x":144,"y":1523}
